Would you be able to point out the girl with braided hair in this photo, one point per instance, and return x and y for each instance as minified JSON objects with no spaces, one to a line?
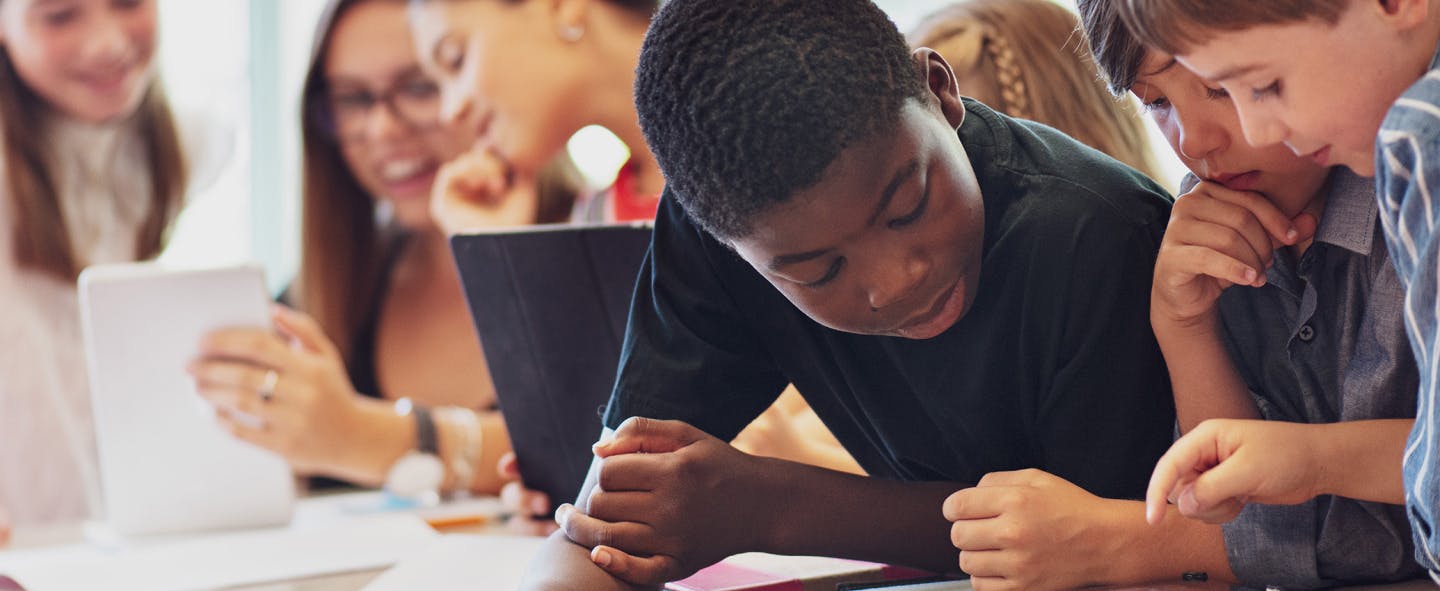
{"x":1024,"y":58}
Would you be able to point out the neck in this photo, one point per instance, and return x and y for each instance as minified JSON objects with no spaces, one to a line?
{"x":428,"y":254}
{"x":1430,"y":39}
{"x":614,"y":83}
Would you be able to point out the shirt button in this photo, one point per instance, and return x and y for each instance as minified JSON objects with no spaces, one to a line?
{"x":1307,"y":333}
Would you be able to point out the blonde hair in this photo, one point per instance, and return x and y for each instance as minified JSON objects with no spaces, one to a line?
{"x":1025,"y":59}
{"x":41,"y":237}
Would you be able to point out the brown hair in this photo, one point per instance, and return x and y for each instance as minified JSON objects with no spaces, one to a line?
{"x":342,"y":244}
{"x":645,"y":8}
{"x":1027,"y":53}
{"x":42,"y":239}
{"x":1117,"y":52}
{"x":1173,"y":26}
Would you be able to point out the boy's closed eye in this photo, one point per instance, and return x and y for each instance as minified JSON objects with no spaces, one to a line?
{"x":916,"y":213}
{"x":909,"y":218}
{"x":1271,"y":90}
{"x":1215,"y":94}
{"x":831,"y":273}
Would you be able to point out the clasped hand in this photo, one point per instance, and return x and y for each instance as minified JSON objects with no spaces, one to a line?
{"x":671,"y":500}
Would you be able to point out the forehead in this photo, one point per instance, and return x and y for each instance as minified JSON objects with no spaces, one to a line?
{"x":434,"y":18}
{"x":370,"y":39}
{"x":1230,"y":54}
{"x":840,"y":204}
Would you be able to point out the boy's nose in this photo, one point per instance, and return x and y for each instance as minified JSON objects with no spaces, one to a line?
{"x":1200,"y":139}
{"x":897,"y":281}
{"x":1261,"y":127}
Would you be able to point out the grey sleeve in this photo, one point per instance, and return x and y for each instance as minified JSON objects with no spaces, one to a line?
{"x":1323,"y":542}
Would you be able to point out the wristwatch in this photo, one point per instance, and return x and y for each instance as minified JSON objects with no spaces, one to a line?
{"x":418,"y":474}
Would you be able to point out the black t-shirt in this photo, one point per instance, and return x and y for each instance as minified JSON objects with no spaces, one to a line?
{"x":1054,"y":367}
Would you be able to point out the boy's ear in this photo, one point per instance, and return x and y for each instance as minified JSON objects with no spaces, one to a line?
{"x":1406,"y":14}
{"x":940,"y":81}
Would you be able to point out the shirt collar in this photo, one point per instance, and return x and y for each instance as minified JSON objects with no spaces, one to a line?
{"x":1350,"y":212}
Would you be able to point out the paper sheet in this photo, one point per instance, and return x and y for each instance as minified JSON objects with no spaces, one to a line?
{"x":463,"y":563}
{"x":224,"y":560}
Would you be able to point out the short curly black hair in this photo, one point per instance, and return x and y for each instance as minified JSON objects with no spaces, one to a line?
{"x":746,"y":102}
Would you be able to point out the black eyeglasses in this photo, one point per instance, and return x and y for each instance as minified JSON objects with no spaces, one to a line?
{"x":413,"y":100}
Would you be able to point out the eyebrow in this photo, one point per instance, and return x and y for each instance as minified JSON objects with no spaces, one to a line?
{"x":1233,"y":72}
{"x":886,"y":196}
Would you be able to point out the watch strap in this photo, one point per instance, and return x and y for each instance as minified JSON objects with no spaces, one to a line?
{"x":426,"y":441}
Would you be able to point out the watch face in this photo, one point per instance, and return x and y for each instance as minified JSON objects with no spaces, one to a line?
{"x":415,"y":475}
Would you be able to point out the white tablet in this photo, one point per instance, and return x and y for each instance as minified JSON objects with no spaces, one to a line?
{"x":166,"y":466}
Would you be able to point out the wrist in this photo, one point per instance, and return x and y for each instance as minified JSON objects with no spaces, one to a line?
{"x":386,"y":436}
{"x":775,"y":491}
{"x":1166,"y":319}
{"x":1325,"y":444}
{"x":1118,"y":530}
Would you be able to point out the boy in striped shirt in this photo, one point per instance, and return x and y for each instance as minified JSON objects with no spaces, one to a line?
{"x":1323,"y":76}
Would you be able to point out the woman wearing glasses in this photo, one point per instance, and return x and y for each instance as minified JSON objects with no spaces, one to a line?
{"x":376,"y":377}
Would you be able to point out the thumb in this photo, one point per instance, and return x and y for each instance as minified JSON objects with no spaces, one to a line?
{"x":1230,"y":483}
{"x":301,"y":330}
{"x":480,"y":175}
{"x":508,"y":467}
{"x":642,"y":435}
{"x":1306,"y":224}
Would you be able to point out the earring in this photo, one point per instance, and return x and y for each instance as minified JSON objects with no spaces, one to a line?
{"x":572,"y":33}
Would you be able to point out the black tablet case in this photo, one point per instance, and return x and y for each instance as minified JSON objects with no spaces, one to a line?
{"x":550,"y":304}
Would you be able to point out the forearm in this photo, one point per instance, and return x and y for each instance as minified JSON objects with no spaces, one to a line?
{"x":562,"y":565}
{"x":825,"y":513}
{"x":1361,"y":459}
{"x":1144,"y":553}
{"x":1204,"y":379}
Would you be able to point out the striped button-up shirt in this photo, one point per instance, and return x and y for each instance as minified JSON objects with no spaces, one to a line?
{"x":1407,"y":164}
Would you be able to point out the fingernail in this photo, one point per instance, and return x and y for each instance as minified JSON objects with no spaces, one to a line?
{"x":601,"y":557}
{"x":562,"y":514}
{"x":539,"y":506}
{"x":1292,"y":235}
{"x":1250,"y":276}
{"x":1187,"y":503}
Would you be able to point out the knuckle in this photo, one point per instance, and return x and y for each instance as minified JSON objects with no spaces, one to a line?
{"x":1013,"y":501}
{"x":600,"y":504}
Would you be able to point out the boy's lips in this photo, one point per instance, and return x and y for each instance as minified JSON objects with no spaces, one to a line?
{"x":1245,"y":181}
{"x":939,"y":317}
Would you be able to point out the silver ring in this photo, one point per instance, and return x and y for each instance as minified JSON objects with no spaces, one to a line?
{"x":267,"y":387}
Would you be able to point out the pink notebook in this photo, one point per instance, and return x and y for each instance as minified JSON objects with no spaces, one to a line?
{"x":769,"y":572}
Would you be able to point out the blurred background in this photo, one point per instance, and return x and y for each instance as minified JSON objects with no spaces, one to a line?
{"x":241,"y":62}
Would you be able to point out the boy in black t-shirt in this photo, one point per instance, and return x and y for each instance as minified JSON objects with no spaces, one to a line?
{"x":955,"y":293}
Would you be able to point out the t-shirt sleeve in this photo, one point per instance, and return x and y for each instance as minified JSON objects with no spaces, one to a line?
{"x":690,"y":351}
{"x":1108,"y":412}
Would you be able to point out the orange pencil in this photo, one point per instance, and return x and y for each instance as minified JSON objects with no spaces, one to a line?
{"x":444,"y":522}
